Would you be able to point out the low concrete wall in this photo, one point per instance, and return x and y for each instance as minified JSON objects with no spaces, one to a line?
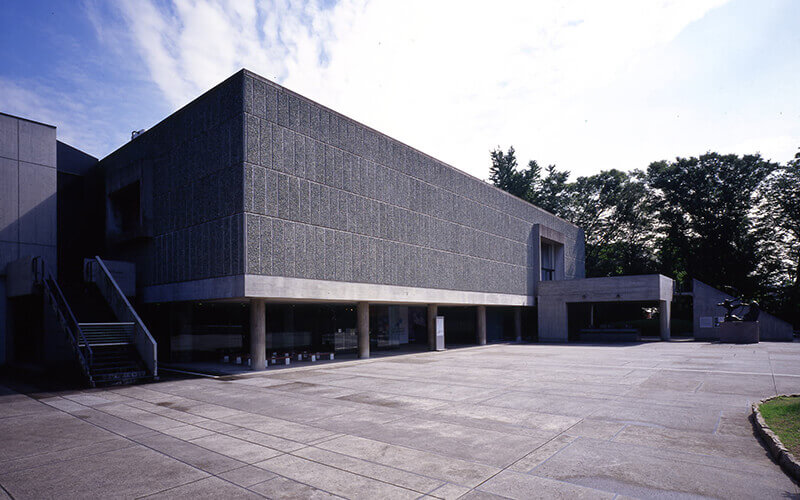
{"x":772,"y":328}
{"x":705,"y":300}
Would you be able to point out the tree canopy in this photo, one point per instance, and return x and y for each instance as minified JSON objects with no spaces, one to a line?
{"x":728,"y":220}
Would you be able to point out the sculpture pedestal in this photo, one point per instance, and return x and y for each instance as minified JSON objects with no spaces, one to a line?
{"x":738,"y":332}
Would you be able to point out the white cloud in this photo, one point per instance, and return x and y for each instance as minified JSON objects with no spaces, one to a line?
{"x":76,"y":124}
{"x":453,"y":79}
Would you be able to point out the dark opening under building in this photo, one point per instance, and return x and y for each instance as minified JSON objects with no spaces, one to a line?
{"x":255,"y":223}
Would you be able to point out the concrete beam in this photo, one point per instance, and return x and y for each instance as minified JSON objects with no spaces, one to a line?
{"x":433,"y":310}
{"x":258,"y":334}
{"x":278,"y":287}
{"x":481,"y":325}
{"x":609,"y":289}
{"x":362,"y":310}
{"x":281,"y":288}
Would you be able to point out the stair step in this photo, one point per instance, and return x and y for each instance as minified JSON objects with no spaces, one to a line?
{"x":113,"y":372}
{"x":107,"y":334}
{"x":122,"y":378}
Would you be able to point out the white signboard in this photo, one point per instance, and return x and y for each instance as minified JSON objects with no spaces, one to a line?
{"x":440,"y":333}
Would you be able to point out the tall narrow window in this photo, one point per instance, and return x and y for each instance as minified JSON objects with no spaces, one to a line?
{"x":548,"y":262}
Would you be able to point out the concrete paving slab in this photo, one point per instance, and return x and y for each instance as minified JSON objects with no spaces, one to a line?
{"x":166,"y":410}
{"x":542,"y":453}
{"x":14,"y":405}
{"x":140,"y":417}
{"x":456,"y":471}
{"x":742,"y":448}
{"x":26,"y":435}
{"x":189,"y":453}
{"x":548,"y":403}
{"x":597,"y":428}
{"x":415,"y":482}
{"x":392,"y":401}
{"x":39,"y":458}
{"x":238,"y":449}
{"x":111,"y":423}
{"x":477,"y":414}
{"x":334,"y":480}
{"x":188,"y":432}
{"x":516,"y":485}
{"x":695,"y":418}
{"x":247,"y":476}
{"x":211,"y":488}
{"x":637,"y":471}
{"x":641,"y":420}
{"x":293,"y":431}
{"x":125,"y":473}
{"x":448,"y":491}
{"x":786,"y":385}
{"x":281,"y":488}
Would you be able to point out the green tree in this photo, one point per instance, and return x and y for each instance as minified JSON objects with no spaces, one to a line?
{"x":504,"y":173}
{"x":550,"y":191}
{"x":703,"y":211}
{"x":779,"y":214}
{"x":612,"y":207}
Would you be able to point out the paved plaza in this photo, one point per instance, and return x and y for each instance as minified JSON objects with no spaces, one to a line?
{"x":666,"y":420}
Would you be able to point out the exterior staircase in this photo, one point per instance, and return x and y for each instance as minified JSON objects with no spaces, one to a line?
{"x":115,"y":358}
{"x":108,"y":352}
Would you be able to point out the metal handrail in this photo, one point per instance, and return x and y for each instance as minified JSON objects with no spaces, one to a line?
{"x":66,"y":316}
{"x":131,"y":313}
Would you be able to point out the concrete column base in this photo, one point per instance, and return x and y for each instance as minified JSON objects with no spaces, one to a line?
{"x":481,"y":325}
{"x":258,"y":334}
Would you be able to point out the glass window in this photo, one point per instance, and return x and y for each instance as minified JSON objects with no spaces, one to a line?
{"x":548,"y":262}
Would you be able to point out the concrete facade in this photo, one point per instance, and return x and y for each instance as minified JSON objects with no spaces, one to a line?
{"x":27,"y":190}
{"x":329,"y":199}
{"x":188,"y":170}
{"x":28,"y":216}
{"x":254,"y":191}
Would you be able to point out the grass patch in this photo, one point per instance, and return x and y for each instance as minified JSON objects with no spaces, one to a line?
{"x":782,"y":415}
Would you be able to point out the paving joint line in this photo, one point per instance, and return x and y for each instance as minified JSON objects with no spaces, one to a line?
{"x":210,"y":474}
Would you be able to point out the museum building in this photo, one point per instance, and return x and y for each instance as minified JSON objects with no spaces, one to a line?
{"x":255,"y":225}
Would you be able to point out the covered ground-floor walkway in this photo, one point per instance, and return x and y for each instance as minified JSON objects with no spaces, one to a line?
{"x":235,"y":335}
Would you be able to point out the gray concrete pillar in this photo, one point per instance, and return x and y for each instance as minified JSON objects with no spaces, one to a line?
{"x":362,"y":310}
{"x":518,"y":324}
{"x":481,"y":325}
{"x":664,"y":310}
{"x":433,"y":310}
{"x":258,"y":333}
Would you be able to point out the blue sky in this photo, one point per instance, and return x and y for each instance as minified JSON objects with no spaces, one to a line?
{"x":586,"y":85}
